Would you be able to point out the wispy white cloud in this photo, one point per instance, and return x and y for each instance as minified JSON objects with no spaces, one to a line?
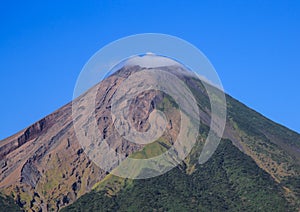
{"x":151,"y":60}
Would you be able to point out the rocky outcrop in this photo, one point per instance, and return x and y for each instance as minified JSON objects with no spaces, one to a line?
{"x":28,"y":134}
{"x":30,"y":174}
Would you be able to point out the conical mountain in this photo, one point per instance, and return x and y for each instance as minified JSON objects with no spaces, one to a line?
{"x":45,"y":167}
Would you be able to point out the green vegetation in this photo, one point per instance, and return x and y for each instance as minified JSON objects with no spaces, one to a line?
{"x":7,"y":204}
{"x":167,"y":103}
{"x":151,"y":150}
{"x":255,"y":124}
{"x":274,"y":147}
{"x":230,"y":180}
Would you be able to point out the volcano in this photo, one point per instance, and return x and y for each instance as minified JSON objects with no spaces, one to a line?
{"x":45,"y":167}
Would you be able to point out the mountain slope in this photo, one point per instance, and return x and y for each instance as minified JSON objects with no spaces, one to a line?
{"x":230,"y":180}
{"x":44,"y":166}
{"x":8,"y":204}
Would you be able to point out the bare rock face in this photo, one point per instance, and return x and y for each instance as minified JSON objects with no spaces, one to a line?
{"x":30,"y":175}
{"x":45,"y":167}
{"x":28,"y":134}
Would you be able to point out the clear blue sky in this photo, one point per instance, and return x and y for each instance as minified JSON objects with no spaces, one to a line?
{"x":254,"y":46}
